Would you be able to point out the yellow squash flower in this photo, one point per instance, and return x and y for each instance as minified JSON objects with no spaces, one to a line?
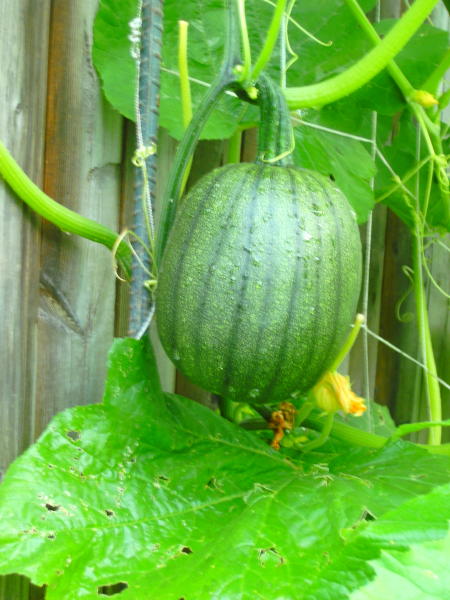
{"x":333,"y":392}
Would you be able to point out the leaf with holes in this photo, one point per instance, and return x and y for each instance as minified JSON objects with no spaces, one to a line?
{"x":152,"y":495}
{"x":415,"y":550}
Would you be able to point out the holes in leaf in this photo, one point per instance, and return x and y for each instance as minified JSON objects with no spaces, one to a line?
{"x":52,"y":507}
{"x":213,"y":484}
{"x":368,"y":516}
{"x":161,"y":480}
{"x":113,"y":589}
{"x":270,"y":556}
{"x":186,"y":550}
{"x":332,"y":177}
{"x":73,"y":435}
{"x":109,"y":513}
{"x":51,"y":536}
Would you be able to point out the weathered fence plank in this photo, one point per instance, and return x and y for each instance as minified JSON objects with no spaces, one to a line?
{"x":82,"y":170}
{"x":57,"y":292}
{"x":23,"y":82}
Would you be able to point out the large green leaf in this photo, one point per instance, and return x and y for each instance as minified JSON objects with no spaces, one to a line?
{"x":111,"y":53}
{"x":415,"y":543}
{"x":343,"y":159}
{"x":161,"y":495}
{"x":329,"y":19}
{"x":399,"y":150}
{"x":417,"y":61}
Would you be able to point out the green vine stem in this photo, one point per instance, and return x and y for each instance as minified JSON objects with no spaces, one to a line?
{"x":225,"y":79}
{"x":64,"y":218}
{"x":346,"y":433}
{"x":434,"y":79}
{"x":432,"y":383}
{"x":185,"y":88}
{"x":234,"y":147}
{"x":434,"y":146}
{"x":324,"y":434}
{"x":348,"y":344}
{"x":246,"y":51}
{"x":366,"y":68}
{"x":271,"y":39}
{"x":429,"y":129}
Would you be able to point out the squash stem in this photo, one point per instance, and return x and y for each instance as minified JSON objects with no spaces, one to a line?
{"x":276,"y":138}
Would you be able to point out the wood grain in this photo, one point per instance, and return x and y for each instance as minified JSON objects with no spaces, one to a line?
{"x":82,"y":171}
{"x":23,"y":82}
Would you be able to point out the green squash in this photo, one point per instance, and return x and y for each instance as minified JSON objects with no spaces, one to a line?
{"x":259,"y":280}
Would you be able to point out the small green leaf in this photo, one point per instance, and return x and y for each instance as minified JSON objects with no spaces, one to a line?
{"x":146,"y":489}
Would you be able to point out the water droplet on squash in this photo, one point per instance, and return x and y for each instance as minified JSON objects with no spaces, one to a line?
{"x":307,"y":236}
{"x":254,"y":393}
{"x":318,"y":210}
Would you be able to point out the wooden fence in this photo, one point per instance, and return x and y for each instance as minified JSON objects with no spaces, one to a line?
{"x":59,"y":300}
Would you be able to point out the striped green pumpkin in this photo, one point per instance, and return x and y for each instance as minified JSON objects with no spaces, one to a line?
{"x":259,"y":281}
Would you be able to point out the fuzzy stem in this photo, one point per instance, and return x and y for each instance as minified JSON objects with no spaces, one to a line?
{"x":432,"y":384}
{"x":271,"y":39}
{"x":348,"y":344}
{"x":224,"y":80}
{"x":323,"y":435}
{"x":185,"y":88}
{"x":369,"y":29}
{"x":64,"y":218}
{"x":367,"y":67}
{"x":234,"y":147}
{"x":304,"y":412}
{"x":246,"y":52}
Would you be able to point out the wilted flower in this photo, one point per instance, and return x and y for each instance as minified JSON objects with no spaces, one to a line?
{"x":333,"y":392}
